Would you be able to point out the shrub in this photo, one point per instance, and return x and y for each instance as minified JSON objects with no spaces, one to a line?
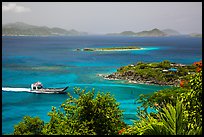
{"x":29,"y":126}
{"x":86,"y":115}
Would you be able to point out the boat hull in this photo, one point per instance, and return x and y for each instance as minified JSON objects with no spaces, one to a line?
{"x":50,"y":90}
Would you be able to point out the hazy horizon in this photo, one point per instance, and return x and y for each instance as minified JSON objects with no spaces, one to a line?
{"x":107,"y":17}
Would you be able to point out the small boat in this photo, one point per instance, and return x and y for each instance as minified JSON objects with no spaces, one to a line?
{"x":37,"y":87}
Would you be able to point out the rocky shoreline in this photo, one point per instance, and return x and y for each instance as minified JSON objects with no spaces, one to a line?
{"x":163,"y":73}
{"x":136,"y":79}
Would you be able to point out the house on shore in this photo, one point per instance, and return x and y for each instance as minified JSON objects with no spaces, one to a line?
{"x":173,"y":69}
{"x":177,"y":65}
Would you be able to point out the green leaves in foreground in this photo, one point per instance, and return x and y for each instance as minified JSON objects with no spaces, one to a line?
{"x":29,"y":126}
{"x":193,"y":101}
{"x":85,"y":115}
{"x":170,"y":121}
{"x":174,"y":121}
{"x":179,"y":113}
{"x":172,"y":118}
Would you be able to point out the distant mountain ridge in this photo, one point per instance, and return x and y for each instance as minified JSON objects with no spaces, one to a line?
{"x":20,"y":28}
{"x":151,"y":33}
{"x":171,"y":32}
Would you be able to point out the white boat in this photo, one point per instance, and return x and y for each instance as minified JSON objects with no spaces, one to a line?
{"x":37,"y":87}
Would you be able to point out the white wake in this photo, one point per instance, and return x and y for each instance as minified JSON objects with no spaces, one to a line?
{"x":16,"y":89}
{"x":23,"y":90}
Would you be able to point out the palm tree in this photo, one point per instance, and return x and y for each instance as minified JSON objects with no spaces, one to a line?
{"x":172,"y":118}
{"x":171,"y":122}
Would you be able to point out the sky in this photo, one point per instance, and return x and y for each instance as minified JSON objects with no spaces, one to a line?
{"x":107,"y":17}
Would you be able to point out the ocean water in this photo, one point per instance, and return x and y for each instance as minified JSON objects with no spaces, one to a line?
{"x":54,"y":62}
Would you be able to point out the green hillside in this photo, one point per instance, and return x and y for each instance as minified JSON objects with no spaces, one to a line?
{"x":20,"y":28}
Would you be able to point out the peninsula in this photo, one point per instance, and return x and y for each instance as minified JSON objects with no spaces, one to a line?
{"x":112,"y":49}
{"x":162,"y":73}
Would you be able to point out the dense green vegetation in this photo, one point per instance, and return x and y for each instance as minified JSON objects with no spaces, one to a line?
{"x":178,"y":111}
{"x":85,"y":115}
{"x":156,"y":73}
{"x":112,"y":48}
{"x":29,"y":126}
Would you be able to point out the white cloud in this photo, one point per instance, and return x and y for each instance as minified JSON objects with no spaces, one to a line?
{"x":13,"y":7}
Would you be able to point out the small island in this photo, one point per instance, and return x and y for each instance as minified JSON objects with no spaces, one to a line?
{"x":112,"y":49}
{"x":158,"y":73}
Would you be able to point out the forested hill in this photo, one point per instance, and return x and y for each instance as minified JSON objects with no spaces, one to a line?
{"x":149,"y":33}
{"x":20,"y":28}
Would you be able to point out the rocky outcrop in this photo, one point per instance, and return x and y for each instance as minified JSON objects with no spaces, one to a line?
{"x":131,"y":77}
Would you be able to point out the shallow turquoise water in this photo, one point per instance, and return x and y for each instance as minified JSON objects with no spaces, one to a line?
{"x":54,"y":62}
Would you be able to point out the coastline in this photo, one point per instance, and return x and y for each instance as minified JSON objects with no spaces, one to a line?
{"x":118,"y":49}
{"x":111,"y":49}
{"x":164,"y":73}
{"x":115,"y":77}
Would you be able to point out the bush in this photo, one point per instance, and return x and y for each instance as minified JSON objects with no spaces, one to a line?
{"x":169,"y":121}
{"x":85,"y":115}
{"x":193,"y":100}
{"x":174,"y":117}
{"x":29,"y":126}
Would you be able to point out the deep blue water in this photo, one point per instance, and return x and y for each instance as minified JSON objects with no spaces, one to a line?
{"x":54,"y":62}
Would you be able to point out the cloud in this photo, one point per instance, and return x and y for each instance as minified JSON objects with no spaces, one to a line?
{"x":13,"y":7}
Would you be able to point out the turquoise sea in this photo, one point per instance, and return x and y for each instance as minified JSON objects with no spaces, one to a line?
{"x":54,"y":61}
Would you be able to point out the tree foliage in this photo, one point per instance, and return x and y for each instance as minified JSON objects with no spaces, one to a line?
{"x":193,"y":100}
{"x":86,"y":115}
{"x":159,"y":99}
{"x":179,"y":111}
{"x":169,"y":121}
{"x":156,"y":73}
{"x":29,"y":126}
